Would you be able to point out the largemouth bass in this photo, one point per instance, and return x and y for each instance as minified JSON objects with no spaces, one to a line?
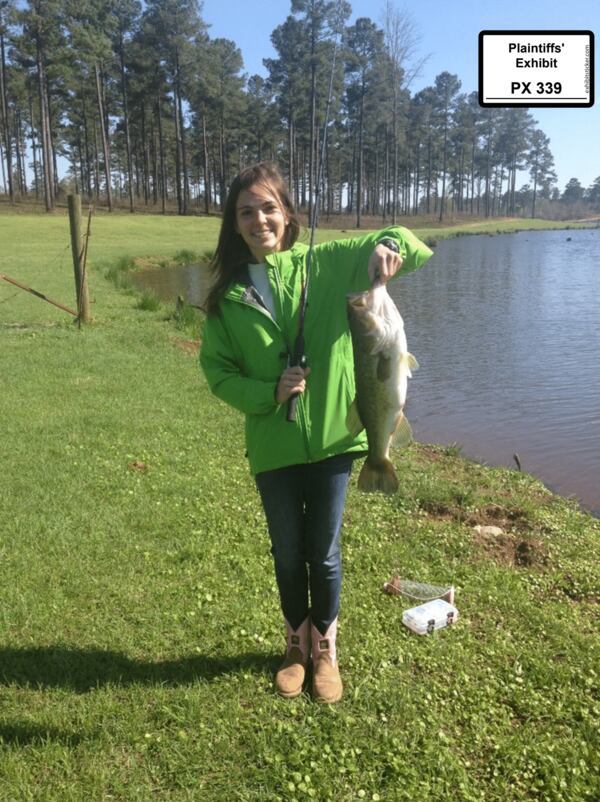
{"x":382,"y":366}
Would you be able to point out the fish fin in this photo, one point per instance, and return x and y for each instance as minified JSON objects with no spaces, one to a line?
{"x":379,"y":476}
{"x":384,"y":368}
{"x":403,"y":435}
{"x":353,"y":422}
{"x":411,"y":362}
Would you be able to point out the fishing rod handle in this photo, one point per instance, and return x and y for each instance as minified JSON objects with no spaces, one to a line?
{"x":293,"y":399}
{"x":291,"y":409}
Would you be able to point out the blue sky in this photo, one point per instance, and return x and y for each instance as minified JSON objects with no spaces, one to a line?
{"x":448,"y":32}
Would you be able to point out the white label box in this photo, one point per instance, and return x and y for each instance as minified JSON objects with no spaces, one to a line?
{"x":536,"y":68}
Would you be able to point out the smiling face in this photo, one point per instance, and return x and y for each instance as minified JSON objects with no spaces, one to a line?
{"x":260,"y":220}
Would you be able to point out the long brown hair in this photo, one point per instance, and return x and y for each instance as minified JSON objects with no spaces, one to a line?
{"x":232,"y":252}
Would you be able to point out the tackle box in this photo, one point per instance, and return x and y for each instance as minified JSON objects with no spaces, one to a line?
{"x":430,"y":616}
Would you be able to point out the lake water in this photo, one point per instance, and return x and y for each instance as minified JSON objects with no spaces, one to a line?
{"x":507,"y":332}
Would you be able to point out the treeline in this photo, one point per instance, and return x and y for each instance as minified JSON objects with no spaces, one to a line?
{"x":149,"y":110}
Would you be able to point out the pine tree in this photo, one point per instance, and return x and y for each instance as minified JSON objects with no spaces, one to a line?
{"x":322,"y":21}
{"x":92,"y":24}
{"x":542,"y":164}
{"x":446,"y":90}
{"x":6,"y":10}
{"x":592,"y":195}
{"x":173,"y":28}
{"x":364,"y":40}
{"x":127,"y":18}
{"x":401,"y":42}
{"x":41,"y":49}
{"x":573,"y":192}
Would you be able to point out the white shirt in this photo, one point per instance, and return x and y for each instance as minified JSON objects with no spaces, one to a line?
{"x":258,"y":276}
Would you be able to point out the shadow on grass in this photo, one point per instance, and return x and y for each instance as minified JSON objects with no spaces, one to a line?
{"x":82,"y":670}
{"x":25,"y":734}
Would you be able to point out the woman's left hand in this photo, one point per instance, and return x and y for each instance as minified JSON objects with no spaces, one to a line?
{"x":383,"y":263}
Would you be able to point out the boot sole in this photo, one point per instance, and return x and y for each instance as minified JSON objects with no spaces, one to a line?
{"x":320,"y":700}
{"x":327,"y":700}
{"x":292,"y":695}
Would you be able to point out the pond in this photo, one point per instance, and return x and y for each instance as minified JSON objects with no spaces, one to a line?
{"x":507,"y":332}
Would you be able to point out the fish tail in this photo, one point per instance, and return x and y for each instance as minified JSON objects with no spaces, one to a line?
{"x":378,"y":476}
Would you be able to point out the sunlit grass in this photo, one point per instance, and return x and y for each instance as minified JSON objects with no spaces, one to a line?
{"x":138,"y":610}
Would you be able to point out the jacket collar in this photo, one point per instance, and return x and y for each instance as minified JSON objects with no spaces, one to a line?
{"x":242,"y":289}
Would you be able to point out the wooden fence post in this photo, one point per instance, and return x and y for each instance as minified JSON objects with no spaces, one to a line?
{"x":77,"y":249}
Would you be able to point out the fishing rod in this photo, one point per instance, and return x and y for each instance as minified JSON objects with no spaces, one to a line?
{"x":298,"y":356}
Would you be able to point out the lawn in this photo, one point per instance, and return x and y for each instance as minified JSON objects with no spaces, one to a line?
{"x":139,"y":616}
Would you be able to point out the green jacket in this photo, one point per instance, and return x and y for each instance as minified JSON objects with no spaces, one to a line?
{"x":244,"y":351}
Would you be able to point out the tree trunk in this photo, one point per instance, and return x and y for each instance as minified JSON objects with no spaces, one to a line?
{"x":46,"y":147}
{"x":105,"y":145}
{"x":2,"y":170}
{"x":154,"y":167}
{"x":184,"y":170}
{"x":148,"y":155}
{"x":303,"y":174}
{"x":472,"y":173}
{"x":96,"y":162}
{"x":142,"y":151}
{"x":126,"y":123}
{"x":4,"y":116}
{"x":444,"y":168}
{"x":222,"y":162}
{"x":34,"y":150}
{"x":205,"y":164}
{"x":488,"y":168}
{"x":313,"y":115}
{"x":395,"y":145}
{"x":359,"y":181}
{"x":81,"y":162}
{"x":178,"y":159}
{"x":461,"y":172}
{"x":429,"y":168}
{"x":19,"y":154}
{"x":291,"y":177}
{"x":386,"y":175}
{"x":417,"y":179}
{"x":161,"y":149}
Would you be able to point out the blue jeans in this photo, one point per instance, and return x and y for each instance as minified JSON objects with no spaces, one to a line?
{"x":304,"y":505}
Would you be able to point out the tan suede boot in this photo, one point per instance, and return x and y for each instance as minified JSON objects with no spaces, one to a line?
{"x":292,"y":672}
{"x":327,"y":683}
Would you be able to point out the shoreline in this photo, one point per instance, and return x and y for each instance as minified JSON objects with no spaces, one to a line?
{"x":143,"y":266}
{"x":126,"y":235}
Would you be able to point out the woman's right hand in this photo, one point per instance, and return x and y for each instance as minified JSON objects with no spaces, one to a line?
{"x":291,"y":381}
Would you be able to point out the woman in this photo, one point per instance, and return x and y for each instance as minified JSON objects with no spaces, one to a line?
{"x":301,"y":467}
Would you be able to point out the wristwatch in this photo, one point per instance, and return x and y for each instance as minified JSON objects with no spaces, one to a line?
{"x":389,"y":243}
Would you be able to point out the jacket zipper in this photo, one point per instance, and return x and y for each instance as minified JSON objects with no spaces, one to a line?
{"x":300,"y":406}
{"x":300,"y":411}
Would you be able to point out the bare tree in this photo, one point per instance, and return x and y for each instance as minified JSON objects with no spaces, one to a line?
{"x":401,"y":40}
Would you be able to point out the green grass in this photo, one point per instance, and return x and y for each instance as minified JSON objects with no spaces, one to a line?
{"x":138,"y":610}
